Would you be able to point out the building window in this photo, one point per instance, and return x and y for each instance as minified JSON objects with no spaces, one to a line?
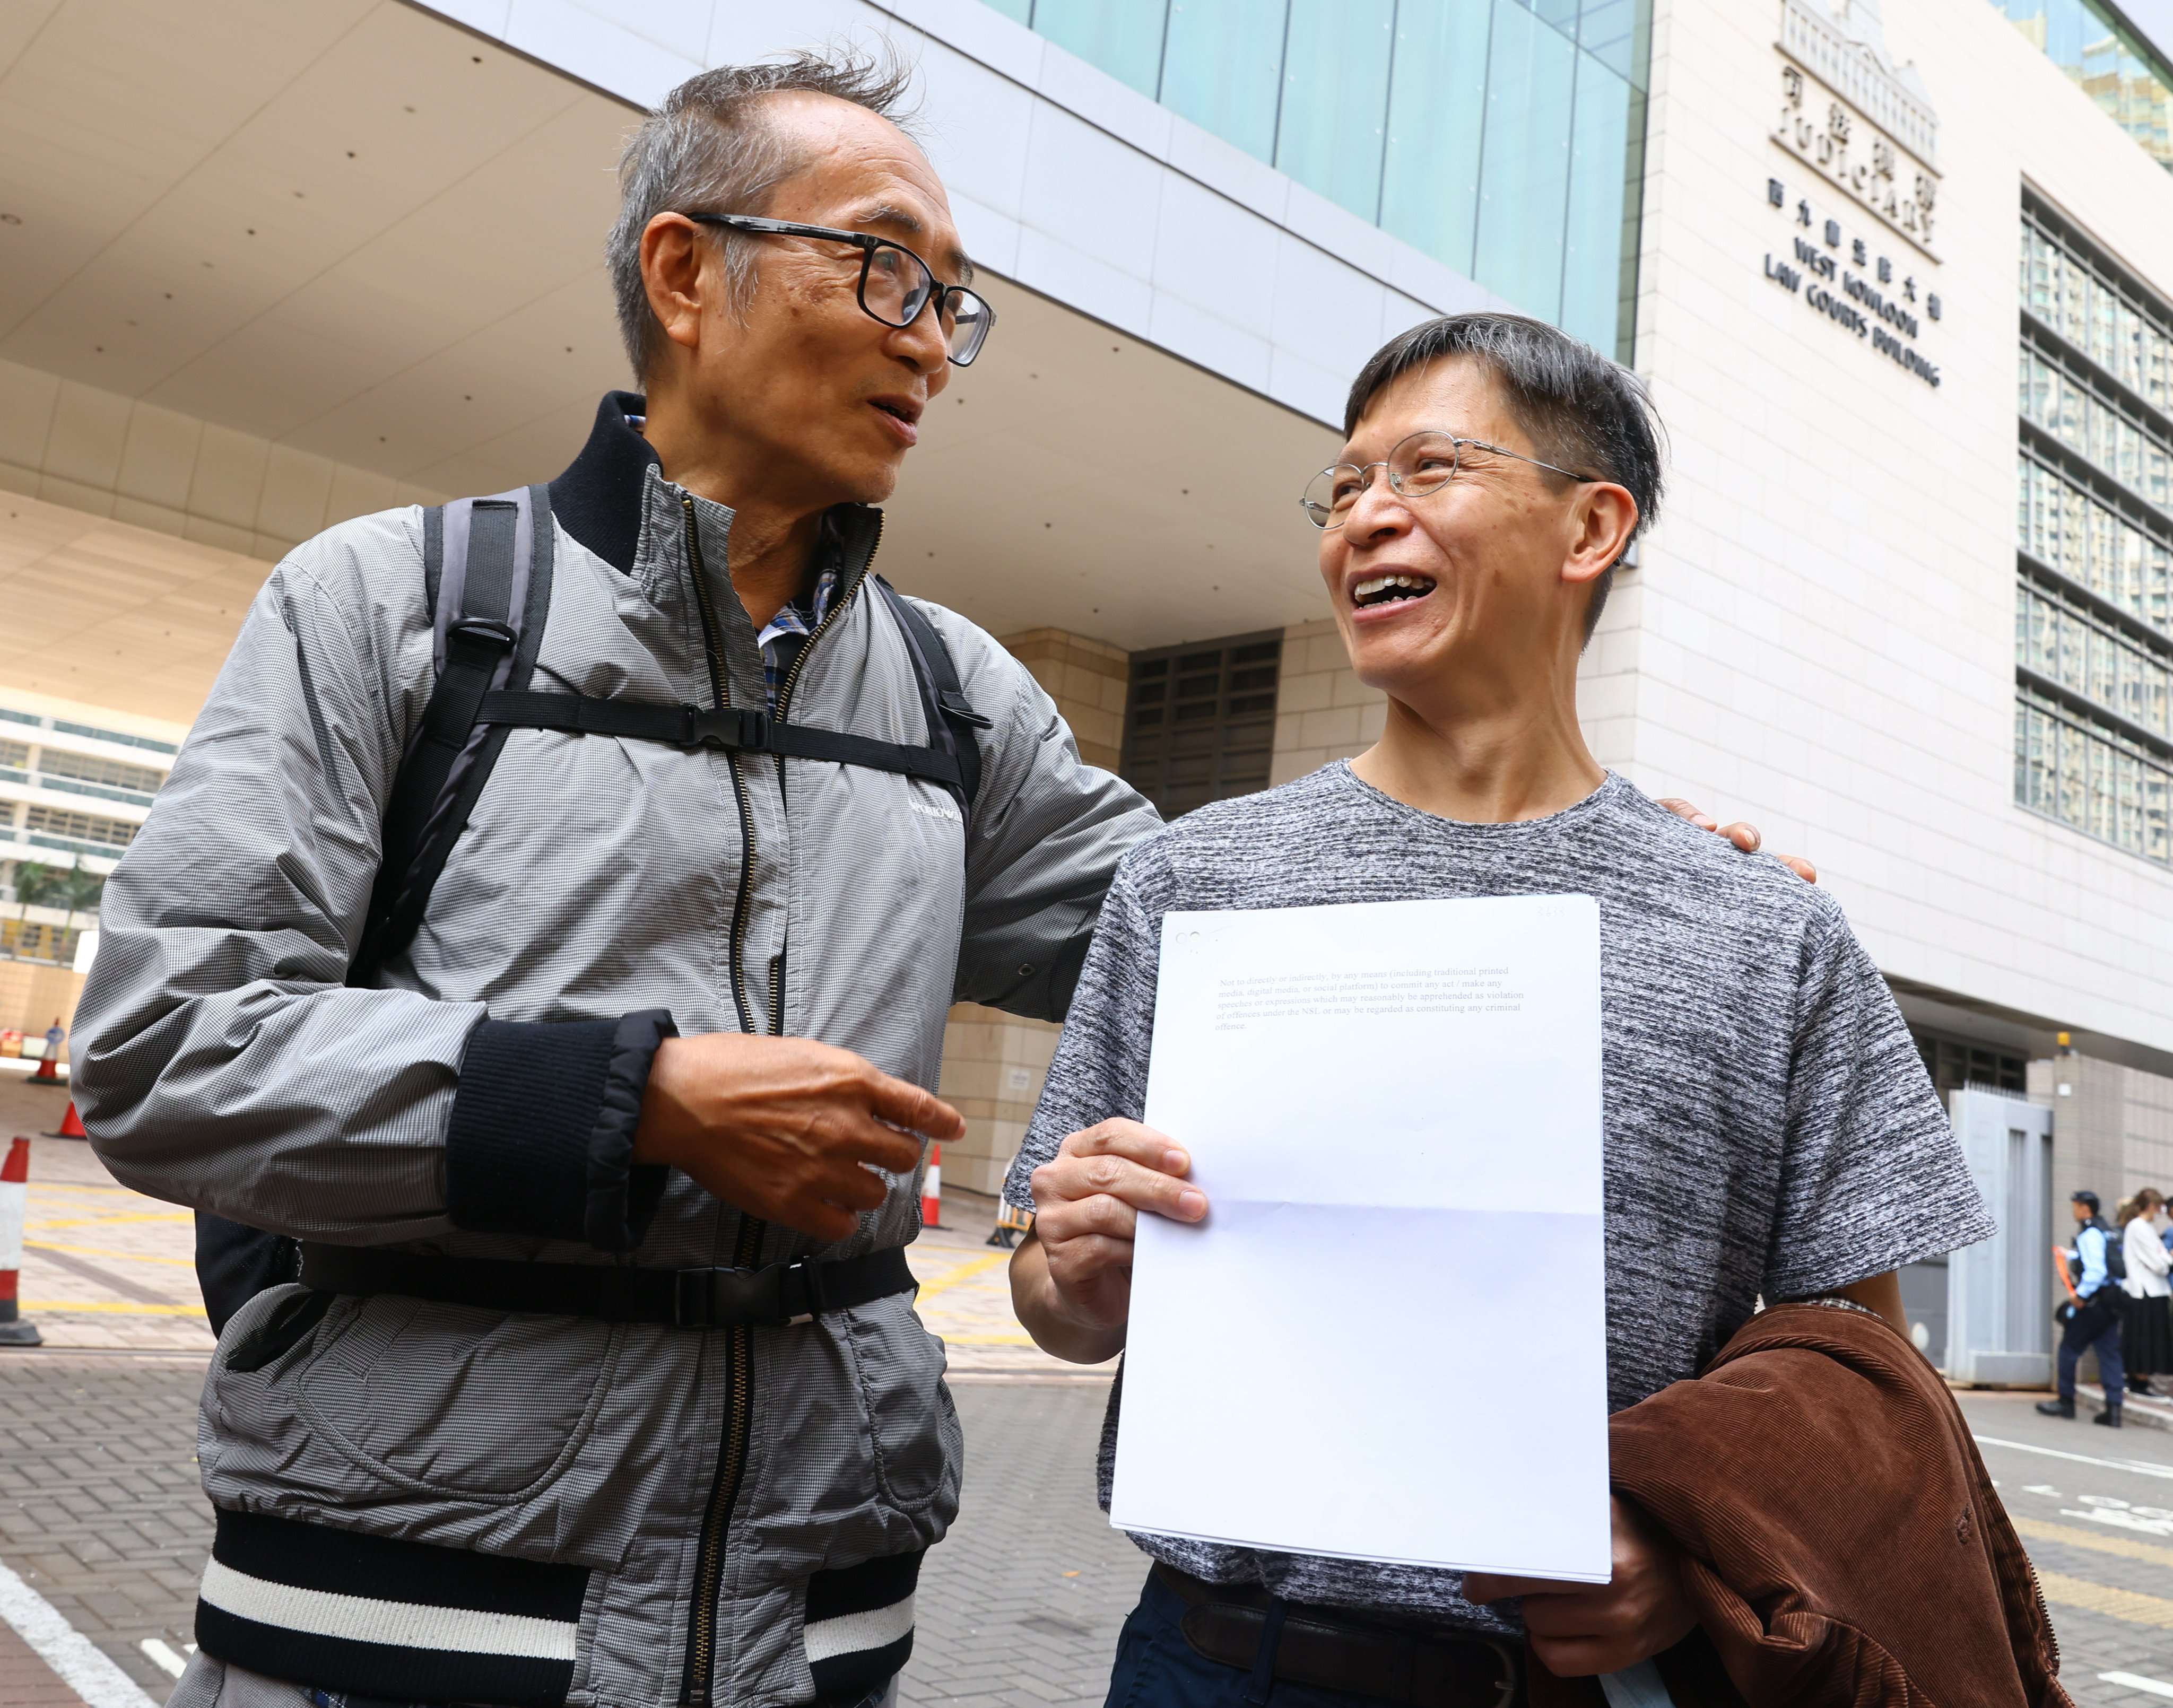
{"x":79,"y":828}
{"x":2132,"y":84}
{"x":2094,"y":543}
{"x":1958,"y":1064}
{"x":1199,"y":720}
{"x":140,"y":778}
{"x":1504,"y":138}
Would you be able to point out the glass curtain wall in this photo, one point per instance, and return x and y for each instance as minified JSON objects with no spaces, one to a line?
{"x":2093,"y":604}
{"x":2131,"y":83}
{"x":1505,"y":137}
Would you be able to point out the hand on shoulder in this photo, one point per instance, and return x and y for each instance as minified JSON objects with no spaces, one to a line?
{"x":1744,"y":835}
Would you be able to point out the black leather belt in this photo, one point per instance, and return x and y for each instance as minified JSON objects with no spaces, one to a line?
{"x":1224,"y":1622}
{"x":765,"y":1298}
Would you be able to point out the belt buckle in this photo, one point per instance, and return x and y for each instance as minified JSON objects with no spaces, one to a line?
{"x":1508,"y":1660}
{"x":811,"y":1272}
{"x":715,"y":1298}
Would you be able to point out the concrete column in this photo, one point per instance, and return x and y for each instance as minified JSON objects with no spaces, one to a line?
{"x":2088,"y":1101}
{"x":994,"y":1064}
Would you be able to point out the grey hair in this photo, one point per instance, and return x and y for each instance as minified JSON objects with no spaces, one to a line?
{"x":1579,"y":409}
{"x":710,"y":149}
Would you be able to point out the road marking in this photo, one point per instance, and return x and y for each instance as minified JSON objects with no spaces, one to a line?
{"x":2097,"y":1539}
{"x":64,"y":1307}
{"x":963,"y":1272}
{"x":163,"y":1657}
{"x":2124,"y":1604}
{"x":2136,"y":1681}
{"x":987,"y":1340}
{"x":2142,"y":1468}
{"x":112,"y":1220}
{"x":2126,"y":1521}
{"x":106,"y":1252}
{"x":84,"y":1667}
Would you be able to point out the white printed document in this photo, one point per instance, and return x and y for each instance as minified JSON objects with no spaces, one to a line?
{"x":1388,"y":1341}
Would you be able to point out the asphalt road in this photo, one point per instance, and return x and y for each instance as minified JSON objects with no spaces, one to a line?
{"x":2095,"y":1510}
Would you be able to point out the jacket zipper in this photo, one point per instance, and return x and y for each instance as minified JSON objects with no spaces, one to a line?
{"x":784,"y":700}
{"x":732,"y":1453}
{"x":739,"y":1380}
{"x":719,"y":687}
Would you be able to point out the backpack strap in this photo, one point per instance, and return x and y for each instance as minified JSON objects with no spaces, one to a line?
{"x":734,"y":729}
{"x":951,"y":757}
{"x":487,"y":572}
{"x":951,"y":721}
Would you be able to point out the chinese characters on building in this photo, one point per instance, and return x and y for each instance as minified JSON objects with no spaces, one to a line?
{"x":1876,"y":281}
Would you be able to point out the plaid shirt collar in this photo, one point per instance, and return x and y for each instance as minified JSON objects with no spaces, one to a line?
{"x":785,"y":634}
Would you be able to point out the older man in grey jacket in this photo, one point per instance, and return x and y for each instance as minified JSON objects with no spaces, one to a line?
{"x":609,"y":1388}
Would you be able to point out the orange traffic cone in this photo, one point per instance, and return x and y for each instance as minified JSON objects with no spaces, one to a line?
{"x":1010,"y":1225}
{"x":932,"y":1189}
{"x":14,"y":1196}
{"x":48,"y":1073}
{"x":71,"y":1124}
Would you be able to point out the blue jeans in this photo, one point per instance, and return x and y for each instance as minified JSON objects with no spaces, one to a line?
{"x":1156,"y":1668}
{"x":2096,"y":1324}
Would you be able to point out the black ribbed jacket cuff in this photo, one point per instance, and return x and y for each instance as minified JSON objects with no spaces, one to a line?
{"x":541,"y":1138}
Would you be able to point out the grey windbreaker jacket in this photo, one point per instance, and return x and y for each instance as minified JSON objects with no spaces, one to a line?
{"x":429,"y":1502}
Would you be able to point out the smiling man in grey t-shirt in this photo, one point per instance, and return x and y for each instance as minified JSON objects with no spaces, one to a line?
{"x":1769,"y":1126}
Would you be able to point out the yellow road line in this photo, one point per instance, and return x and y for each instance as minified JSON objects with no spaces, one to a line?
{"x":112,"y":1220}
{"x":1004,"y":1341}
{"x":102,"y":1252}
{"x":2124,"y":1604}
{"x":68,"y":1186}
{"x":2104,"y":1541}
{"x":61,"y":1307}
{"x":963,"y":1272}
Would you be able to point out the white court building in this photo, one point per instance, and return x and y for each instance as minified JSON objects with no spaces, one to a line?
{"x":1902,"y":286}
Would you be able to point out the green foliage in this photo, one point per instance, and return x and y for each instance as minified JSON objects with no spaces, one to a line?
{"x":67,"y":887}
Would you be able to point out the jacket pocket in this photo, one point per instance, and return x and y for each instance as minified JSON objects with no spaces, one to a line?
{"x":912,"y":1427}
{"x":455,"y":1400}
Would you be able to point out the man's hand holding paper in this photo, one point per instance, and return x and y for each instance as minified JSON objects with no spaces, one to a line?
{"x":1074,"y":1275}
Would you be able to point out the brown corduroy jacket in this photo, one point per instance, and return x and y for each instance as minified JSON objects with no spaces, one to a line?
{"x":1842,"y":1542}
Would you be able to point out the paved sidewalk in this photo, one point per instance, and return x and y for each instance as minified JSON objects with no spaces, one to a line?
{"x":102,"y":1266}
{"x":99,"y":1508}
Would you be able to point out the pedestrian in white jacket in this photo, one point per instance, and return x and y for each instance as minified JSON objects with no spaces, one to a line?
{"x":2147,"y":1312}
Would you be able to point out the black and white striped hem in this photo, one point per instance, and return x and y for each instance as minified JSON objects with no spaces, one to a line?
{"x":859,"y":1625}
{"x":370,"y":1616}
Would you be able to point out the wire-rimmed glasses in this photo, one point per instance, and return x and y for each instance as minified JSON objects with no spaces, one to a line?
{"x":896,"y":284}
{"x":1421,"y":463}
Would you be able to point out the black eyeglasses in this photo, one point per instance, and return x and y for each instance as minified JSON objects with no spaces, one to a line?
{"x":896,"y":284}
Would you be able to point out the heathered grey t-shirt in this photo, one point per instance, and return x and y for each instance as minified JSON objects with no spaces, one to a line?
{"x":1770,"y":1129}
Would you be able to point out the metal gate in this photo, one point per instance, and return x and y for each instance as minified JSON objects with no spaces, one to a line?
{"x":1999,"y":1291}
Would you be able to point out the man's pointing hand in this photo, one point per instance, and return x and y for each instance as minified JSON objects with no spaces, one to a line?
{"x":783,"y":1127}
